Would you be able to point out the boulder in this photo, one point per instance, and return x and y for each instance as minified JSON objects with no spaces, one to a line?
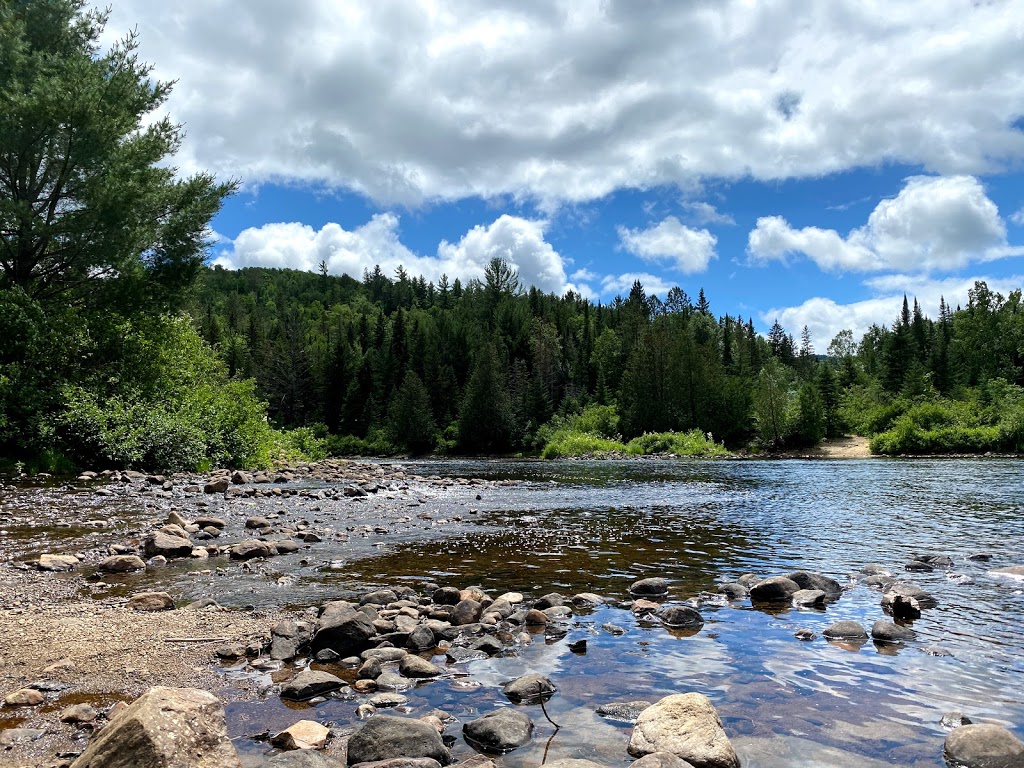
{"x":286,"y":637}
{"x":845,"y":630}
{"x":775,"y":589}
{"x":217,"y":485}
{"x":659,"y":760}
{"x":345,"y":631}
{"x":250,"y":548}
{"x":305,"y":758}
{"x":56,"y":562}
{"x":652,"y":587}
{"x":78,"y":713}
{"x":309,"y":683}
{"x":305,"y":734}
{"x":466,"y":612}
{"x":164,"y":728}
{"x":686,"y":725}
{"x":168,"y":545}
{"x":812,"y":580}
{"x":384,"y":737}
{"x":983,"y":746}
{"x":416,"y":666}
{"x":529,"y":689}
{"x":809,"y":597}
{"x":151,"y":601}
{"x":26,"y":697}
{"x":500,"y":731}
{"x":680,"y":617}
{"x":887,"y":632}
{"x":122,"y":564}
{"x":904,"y":589}
{"x":421,"y":638}
{"x":733,"y":590}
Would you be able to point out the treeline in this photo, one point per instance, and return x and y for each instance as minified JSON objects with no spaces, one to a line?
{"x":397,"y":363}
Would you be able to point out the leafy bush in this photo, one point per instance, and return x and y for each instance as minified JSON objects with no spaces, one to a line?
{"x":569,"y":442}
{"x":374,"y":444}
{"x":302,"y":443}
{"x":692,"y":443}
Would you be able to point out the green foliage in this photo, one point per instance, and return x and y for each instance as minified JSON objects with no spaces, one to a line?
{"x":375,"y":444}
{"x":691,"y":443}
{"x":774,"y":403}
{"x":302,"y":444}
{"x":410,"y":422}
{"x":568,"y":443}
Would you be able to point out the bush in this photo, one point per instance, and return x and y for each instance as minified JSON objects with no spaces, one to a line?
{"x":692,"y":443}
{"x":302,"y":444}
{"x":569,"y":442}
{"x":374,"y":444}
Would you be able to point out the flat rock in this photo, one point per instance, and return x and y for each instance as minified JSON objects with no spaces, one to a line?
{"x":78,"y":713}
{"x":305,"y":759}
{"x":809,"y":597}
{"x":250,"y":548}
{"x":660,"y":760}
{"x":165,"y":727}
{"x":57,"y":562}
{"x":12,"y":737}
{"x":529,"y":688}
{"x":151,"y":601}
{"x":845,"y":630}
{"x":310,"y":683}
{"x":416,"y":666}
{"x":813,"y":580}
{"x":680,"y":617}
{"x":122,"y":564}
{"x":686,"y":725}
{"x":384,"y":737}
{"x":500,"y":731}
{"x":305,"y":734}
{"x":623,"y":711}
{"x":983,"y":746}
{"x":26,"y":697}
{"x":167,"y":545}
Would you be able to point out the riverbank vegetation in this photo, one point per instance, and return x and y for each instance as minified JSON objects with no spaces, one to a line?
{"x":121,"y":348}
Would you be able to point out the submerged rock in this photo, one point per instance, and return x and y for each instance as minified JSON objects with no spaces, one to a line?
{"x":887,"y":632}
{"x":165,"y":727}
{"x":624,"y":711}
{"x":499,"y":731}
{"x":680,"y":617}
{"x":983,"y":746}
{"x":384,"y":737}
{"x":845,"y":630}
{"x":651,"y":587}
{"x":310,"y":683}
{"x":529,"y":689}
{"x":686,"y":725}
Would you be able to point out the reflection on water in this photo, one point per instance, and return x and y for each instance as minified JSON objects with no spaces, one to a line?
{"x":597,"y":526}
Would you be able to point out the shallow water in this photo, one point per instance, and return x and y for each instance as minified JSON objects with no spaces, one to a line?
{"x":598,"y":526}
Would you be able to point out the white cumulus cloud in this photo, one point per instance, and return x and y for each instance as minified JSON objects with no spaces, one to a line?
{"x":935,"y":223}
{"x":619,"y":285}
{"x":293,"y":245}
{"x":414,"y":100}
{"x":689,"y":250}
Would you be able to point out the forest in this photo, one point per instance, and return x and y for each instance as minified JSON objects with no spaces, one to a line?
{"x":123,"y":348}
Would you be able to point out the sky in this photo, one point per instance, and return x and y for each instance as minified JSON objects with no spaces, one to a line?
{"x":806,"y":162}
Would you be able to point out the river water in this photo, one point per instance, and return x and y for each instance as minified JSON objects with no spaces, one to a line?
{"x":597,"y":526}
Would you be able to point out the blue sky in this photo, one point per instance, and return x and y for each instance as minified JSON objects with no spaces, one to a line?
{"x":806,"y":162}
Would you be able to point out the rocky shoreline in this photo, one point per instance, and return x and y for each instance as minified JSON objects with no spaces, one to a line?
{"x":73,"y":663}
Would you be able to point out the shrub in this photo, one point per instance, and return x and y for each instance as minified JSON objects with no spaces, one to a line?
{"x":692,"y":443}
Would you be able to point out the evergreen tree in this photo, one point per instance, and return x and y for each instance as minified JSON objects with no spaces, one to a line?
{"x":410,"y":421}
{"x":485,"y":418}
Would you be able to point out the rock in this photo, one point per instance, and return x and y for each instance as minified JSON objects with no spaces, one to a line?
{"x":389,"y":681}
{"x":466,"y":612}
{"x":811,"y":580}
{"x":122,"y":564}
{"x":309,"y":683}
{"x":304,"y":759}
{"x":78,"y":713}
{"x":210,"y":522}
{"x":165,"y":728}
{"x":369,"y":669}
{"x":805,"y":635}
{"x":845,"y":630}
{"x":812,"y":597}
{"x":776,"y":589}
{"x":652,"y":587}
{"x":659,"y":760}
{"x":305,"y":734}
{"x":573,"y":762}
{"x":387,"y":700}
{"x":26,"y":697}
{"x":11,"y":737}
{"x":983,"y":746}
{"x":421,"y":638}
{"x":529,"y":689}
{"x":384,"y":737}
{"x":379,"y":597}
{"x":416,"y":666}
{"x":151,"y":601}
{"x":286,"y":638}
{"x":680,"y":617}
{"x":500,"y":731}
{"x":168,"y":545}
{"x":238,"y":477}
{"x":686,"y":725}
{"x":344,"y":630}
{"x":624,"y":711}
{"x":384,"y":654}
{"x":403,"y":762}
{"x":586,"y":600}
{"x":954,"y":719}
{"x":217,"y":485}
{"x":250,"y":548}
{"x":887,"y":632}
{"x":535,"y":618}
{"x":57,"y":562}
{"x":903,"y":589}
{"x":733,"y":590}
{"x":256,"y":523}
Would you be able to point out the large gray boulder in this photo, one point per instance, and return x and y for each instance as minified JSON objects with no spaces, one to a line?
{"x":812,"y":580}
{"x":845,"y":630}
{"x":168,"y":545}
{"x":680,"y":617}
{"x":776,"y":589}
{"x":384,"y":737}
{"x":344,"y":630}
{"x":983,"y":746}
{"x":659,"y":760}
{"x":687,"y":725}
{"x":500,"y":731}
{"x":309,"y":683}
{"x":165,"y":728}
